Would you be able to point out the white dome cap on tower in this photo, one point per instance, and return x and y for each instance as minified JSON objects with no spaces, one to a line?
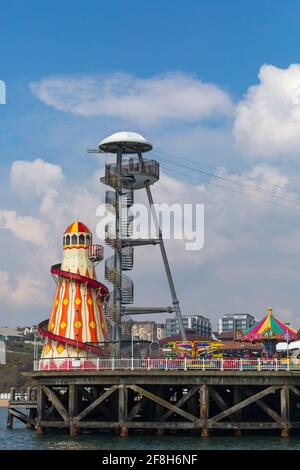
{"x":127,"y":142}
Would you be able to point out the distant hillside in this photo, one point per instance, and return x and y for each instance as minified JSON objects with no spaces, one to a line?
{"x":19,"y":358}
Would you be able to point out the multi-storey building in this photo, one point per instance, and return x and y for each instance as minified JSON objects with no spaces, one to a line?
{"x":235,"y":322}
{"x":144,"y":330}
{"x":126,"y":329}
{"x":160,"y":331}
{"x":196,"y":323}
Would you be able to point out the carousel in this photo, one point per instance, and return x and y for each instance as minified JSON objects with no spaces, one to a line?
{"x":269,"y":331}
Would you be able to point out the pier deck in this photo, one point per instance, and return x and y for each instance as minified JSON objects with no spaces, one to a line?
{"x":161,"y":400}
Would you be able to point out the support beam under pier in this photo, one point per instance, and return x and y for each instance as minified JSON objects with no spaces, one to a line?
{"x":285,"y":410}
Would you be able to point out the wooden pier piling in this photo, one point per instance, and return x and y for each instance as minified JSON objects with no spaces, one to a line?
{"x":285,"y":410}
{"x":204,"y":409}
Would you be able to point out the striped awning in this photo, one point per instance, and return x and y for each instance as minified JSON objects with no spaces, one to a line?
{"x":269,"y":328}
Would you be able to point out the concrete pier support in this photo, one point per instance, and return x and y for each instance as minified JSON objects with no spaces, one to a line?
{"x":41,"y":404}
{"x":204,"y":432}
{"x":10,"y":418}
{"x":40,"y":430}
{"x":123,"y":398}
{"x":285,"y":410}
{"x":123,"y":431}
{"x":73,"y":431}
{"x":28,"y":393}
{"x":73,"y":409}
{"x":31,"y":416}
{"x":159,"y":410}
{"x":204,"y":409}
{"x":10,"y":421}
{"x":237,"y":398}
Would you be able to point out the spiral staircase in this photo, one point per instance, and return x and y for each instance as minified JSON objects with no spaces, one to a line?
{"x":130,"y":172}
{"x":123,"y":282}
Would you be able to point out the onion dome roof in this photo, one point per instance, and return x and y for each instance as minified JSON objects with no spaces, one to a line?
{"x":77,"y":227}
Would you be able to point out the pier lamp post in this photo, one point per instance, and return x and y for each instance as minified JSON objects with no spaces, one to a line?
{"x":234,"y":328}
{"x":287,"y":337}
{"x":34,"y":346}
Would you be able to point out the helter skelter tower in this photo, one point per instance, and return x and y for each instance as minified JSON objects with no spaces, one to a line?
{"x":76,"y":327}
{"x":130,"y":172}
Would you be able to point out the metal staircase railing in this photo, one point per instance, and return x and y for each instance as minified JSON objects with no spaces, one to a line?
{"x":127,"y":226}
{"x":127,"y":258}
{"x":126,"y":231}
{"x":127,"y":200}
{"x":126,"y":223}
{"x":110,"y":311}
{"x":126,"y":283}
{"x":130,"y":169}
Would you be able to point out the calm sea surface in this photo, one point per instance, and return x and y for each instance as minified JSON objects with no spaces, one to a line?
{"x":21,"y":438}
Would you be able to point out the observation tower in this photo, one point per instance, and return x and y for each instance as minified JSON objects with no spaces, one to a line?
{"x":130,"y":172}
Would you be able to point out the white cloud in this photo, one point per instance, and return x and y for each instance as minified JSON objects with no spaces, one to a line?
{"x":265,"y":175}
{"x":172,"y":96}
{"x":23,"y":293}
{"x":57,"y":204}
{"x":268,"y":118}
{"x":35,"y":178}
{"x":26,"y":228}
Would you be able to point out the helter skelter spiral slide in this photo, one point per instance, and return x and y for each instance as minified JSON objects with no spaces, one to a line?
{"x":76,"y":328}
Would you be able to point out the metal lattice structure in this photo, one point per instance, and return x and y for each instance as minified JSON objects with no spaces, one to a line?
{"x":130,"y":172}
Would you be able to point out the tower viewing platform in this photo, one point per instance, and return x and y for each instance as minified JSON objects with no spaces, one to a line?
{"x":134,"y":173}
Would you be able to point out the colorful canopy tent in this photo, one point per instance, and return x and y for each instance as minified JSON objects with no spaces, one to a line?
{"x":269,"y":331}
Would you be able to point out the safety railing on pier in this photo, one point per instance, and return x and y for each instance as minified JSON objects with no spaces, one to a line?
{"x":185,"y":364}
{"x":28,"y":395}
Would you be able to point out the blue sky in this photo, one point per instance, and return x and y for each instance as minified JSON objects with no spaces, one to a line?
{"x":181,"y":74}
{"x":220,"y":40}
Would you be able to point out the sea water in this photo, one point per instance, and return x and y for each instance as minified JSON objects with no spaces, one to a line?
{"x":23,"y":439}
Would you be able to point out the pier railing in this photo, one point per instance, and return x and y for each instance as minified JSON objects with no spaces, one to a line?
{"x":65,"y":364}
